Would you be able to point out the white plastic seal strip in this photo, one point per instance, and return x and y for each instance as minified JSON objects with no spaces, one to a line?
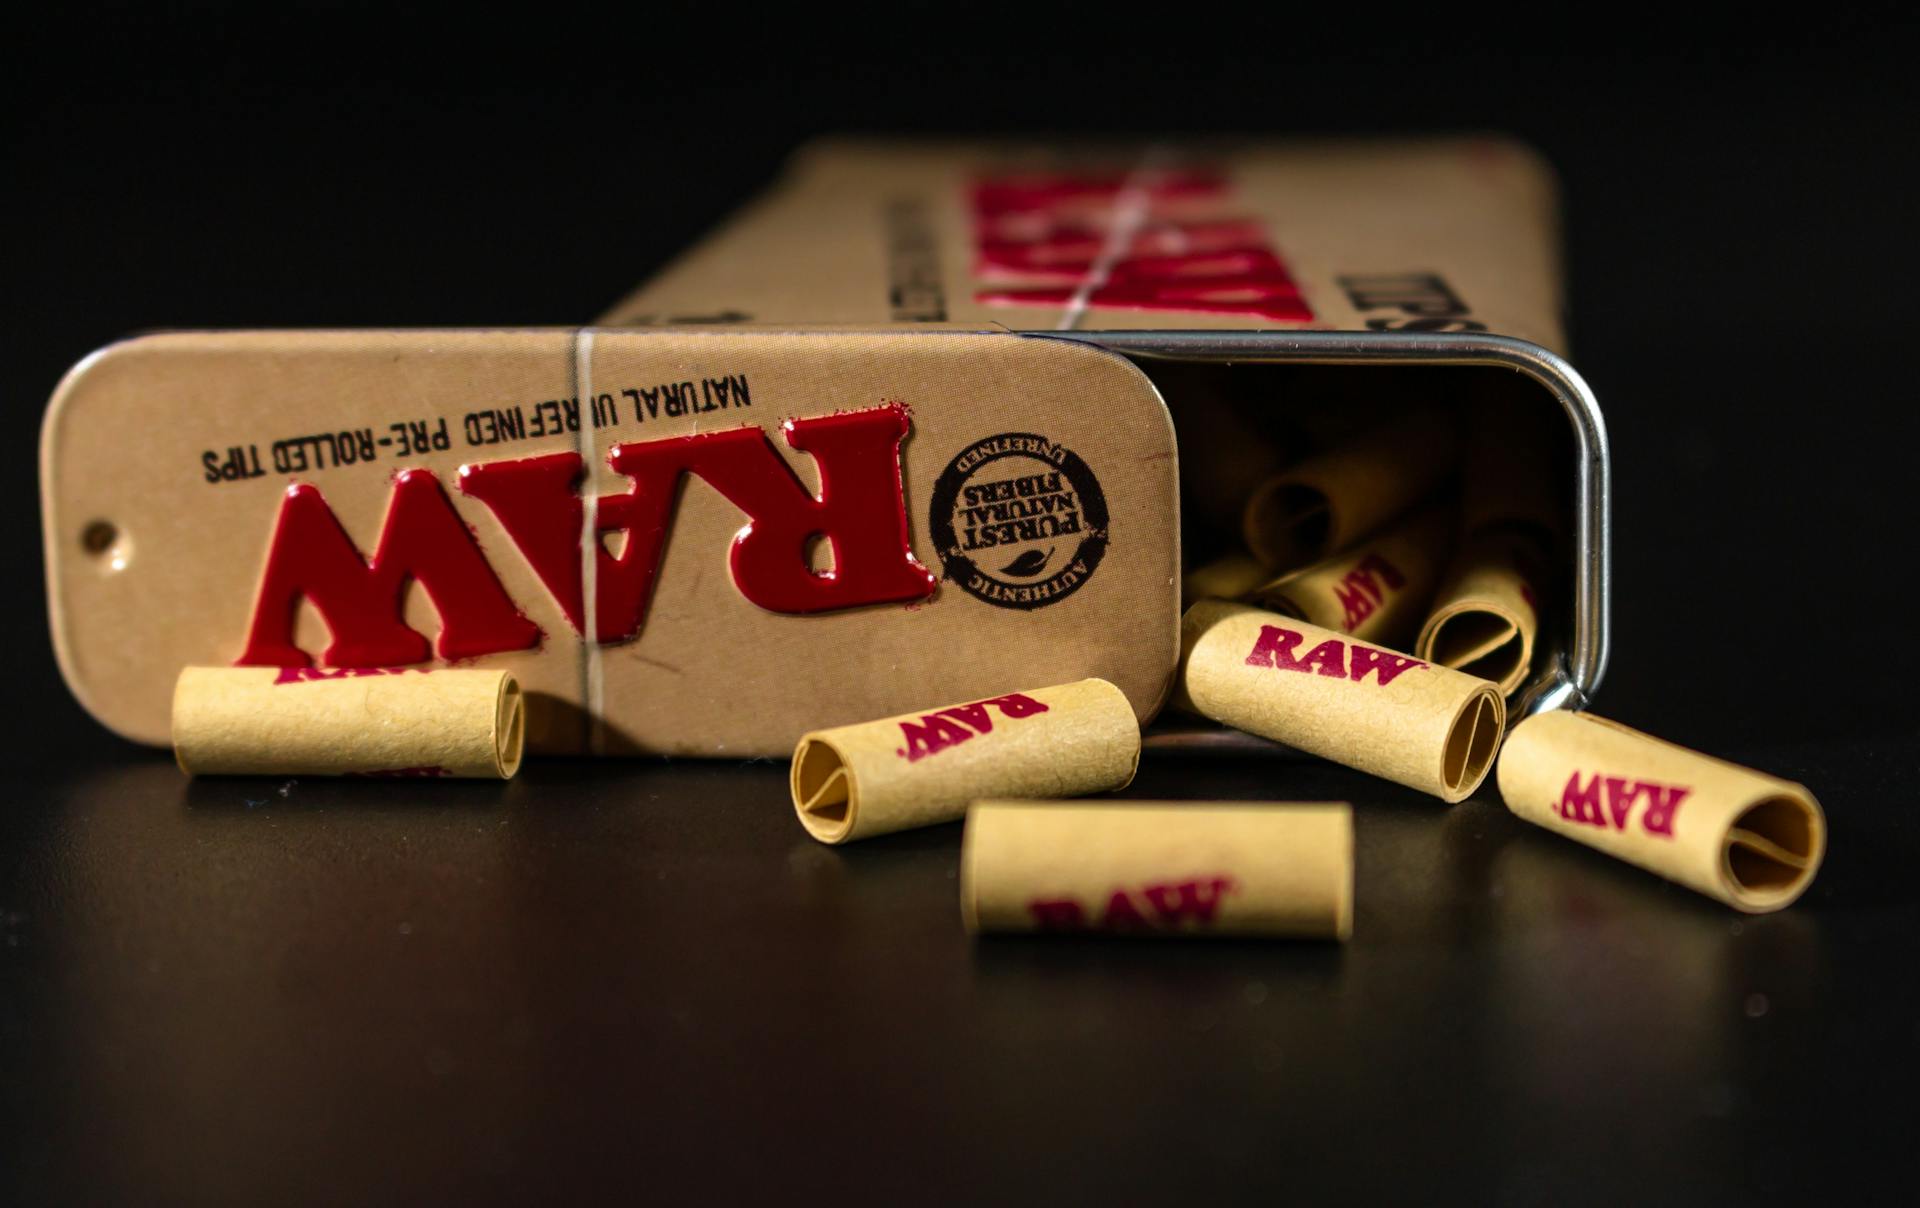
{"x":592,"y":672}
{"x":1131,"y":206}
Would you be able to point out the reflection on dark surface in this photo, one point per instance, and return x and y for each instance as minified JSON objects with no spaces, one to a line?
{"x":488,"y":989}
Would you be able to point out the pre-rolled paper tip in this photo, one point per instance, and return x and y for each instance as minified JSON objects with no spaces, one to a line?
{"x":264,"y":721}
{"x":825,"y":796}
{"x":1740,"y":836}
{"x":922,"y":768}
{"x":1478,"y":641}
{"x":1159,"y":868}
{"x":1430,"y":728}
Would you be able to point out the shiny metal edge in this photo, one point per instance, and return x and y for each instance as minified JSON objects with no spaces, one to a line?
{"x":1571,"y":674}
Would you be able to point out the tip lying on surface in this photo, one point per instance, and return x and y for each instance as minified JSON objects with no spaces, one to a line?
{"x":1749,"y":840}
{"x":923,"y":768}
{"x":413,"y":722}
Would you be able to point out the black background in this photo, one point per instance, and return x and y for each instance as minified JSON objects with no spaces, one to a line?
{"x":640,"y":978}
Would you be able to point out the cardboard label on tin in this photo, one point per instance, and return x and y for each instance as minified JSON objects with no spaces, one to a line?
{"x":677,"y":542}
{"x":1453,"y":235}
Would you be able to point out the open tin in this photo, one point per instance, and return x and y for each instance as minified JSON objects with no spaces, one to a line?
{"x":934,"y":380}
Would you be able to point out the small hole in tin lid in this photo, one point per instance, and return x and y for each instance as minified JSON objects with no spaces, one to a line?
{"x":103,"y":541}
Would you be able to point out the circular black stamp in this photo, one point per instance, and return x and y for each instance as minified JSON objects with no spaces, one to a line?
{"x":1019,"y":521}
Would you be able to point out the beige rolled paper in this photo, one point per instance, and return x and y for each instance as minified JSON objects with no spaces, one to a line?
{"x":1739,"y":836}
{"x":924,"y":768}
{"x":1159,"y":868}
{"x":1328,"y":502}
{"x":1485,"y":617}
{"x":1226,"y":578}
{"x":1400,"y":718}
{"x":265,"y":721}
{"x":1376,"y":591}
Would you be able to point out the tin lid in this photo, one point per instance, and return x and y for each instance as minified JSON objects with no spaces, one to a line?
{"x":791,"y":530}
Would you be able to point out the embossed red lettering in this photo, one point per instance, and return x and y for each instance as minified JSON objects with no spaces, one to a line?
{"x":1155,"y":240}
{"x":422,"y":540}
{"x":860,"y":512}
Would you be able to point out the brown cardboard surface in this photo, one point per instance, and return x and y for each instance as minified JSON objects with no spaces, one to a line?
{"x":1185,"y":868}
{"x":152,"y":568}
{"x":1376,"y":234}
{"x":923,"y":767}
{"x":1384,"y":713}
{"x":1739,"y":836}
{"x":259,"y":721}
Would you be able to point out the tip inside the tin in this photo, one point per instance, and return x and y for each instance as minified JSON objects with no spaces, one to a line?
{"x":1481,"y":643}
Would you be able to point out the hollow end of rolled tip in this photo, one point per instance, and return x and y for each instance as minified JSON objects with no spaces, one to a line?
{"x":823,"y":794}
{"x":1472,"y":741}
{"x":1480,"y":643}
{"x":1288,"y":524}
{"x":512,"y":728}
{"x":1772,"y":851}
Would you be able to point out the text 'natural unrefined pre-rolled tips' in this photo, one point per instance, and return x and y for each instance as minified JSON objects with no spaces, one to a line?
{"x":353,"y":721}
{"x":1159,"y":868}
{"x":923,"y":768}
{"x":1377,"y":710}
{"x":1750,"y":840}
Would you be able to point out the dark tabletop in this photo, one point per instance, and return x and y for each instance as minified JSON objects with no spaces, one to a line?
{"x":639,"y":978}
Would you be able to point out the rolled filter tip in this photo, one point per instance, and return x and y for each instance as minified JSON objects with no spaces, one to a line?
{"x":354,"y":721}
{"x":923,"y":768}
{"x":1386,"y":713}
{"x":1749,"y":840}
